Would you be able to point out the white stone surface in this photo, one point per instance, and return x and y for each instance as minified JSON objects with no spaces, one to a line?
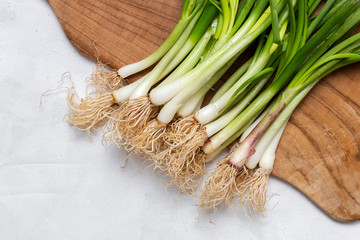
{"x":55,"y":184}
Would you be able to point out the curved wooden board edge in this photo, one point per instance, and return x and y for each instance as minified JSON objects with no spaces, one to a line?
{"x":319,"y":152}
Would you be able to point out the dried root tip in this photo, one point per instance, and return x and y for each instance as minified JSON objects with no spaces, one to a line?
{"x":184,"y":161}
{"x":184,"y":139}
{"x":256,"y":188}
{"x":187,"y":174}
{"x":104,"y":79}
{"x":220,"y":187}
{"x":111,"y":135}
{"x":90,"y":112}
{"x":241,"y":188}
{"x":184,"y":130}
{"x":129,"y":120}
{"x":149,"y":143}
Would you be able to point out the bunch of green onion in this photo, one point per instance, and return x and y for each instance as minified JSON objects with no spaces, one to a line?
{"x":163,"y":117}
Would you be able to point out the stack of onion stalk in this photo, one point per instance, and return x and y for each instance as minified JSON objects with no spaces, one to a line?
{"x":163,"y":117}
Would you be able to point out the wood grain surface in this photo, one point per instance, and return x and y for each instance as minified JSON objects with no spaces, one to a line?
{"x":319,"y":152}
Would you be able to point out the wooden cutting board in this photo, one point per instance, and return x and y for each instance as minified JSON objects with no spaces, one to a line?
{"x":319,"y":152}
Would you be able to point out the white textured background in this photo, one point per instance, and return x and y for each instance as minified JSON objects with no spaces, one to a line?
{"x":55,"y":184}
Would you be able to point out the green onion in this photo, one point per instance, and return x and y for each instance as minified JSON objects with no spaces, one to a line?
{"x":303,"y":59}
{"x":161,"y":116}
{"x":189,"y":10}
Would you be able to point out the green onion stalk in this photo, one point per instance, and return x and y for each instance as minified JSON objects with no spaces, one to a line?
{"x":312,"y":62}
{"x":184,"y":159}
{"x":95,"y":109}
{"x":194,"y":103}
{"x":215,"y":108}
{"x":231,"y":19}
